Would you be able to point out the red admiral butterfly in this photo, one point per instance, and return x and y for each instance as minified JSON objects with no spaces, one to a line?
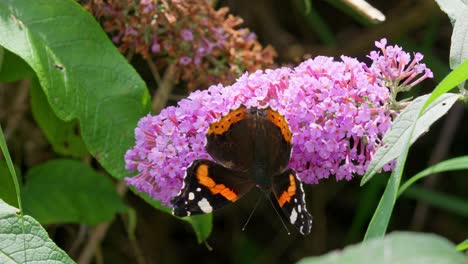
{"x":251,"y":147}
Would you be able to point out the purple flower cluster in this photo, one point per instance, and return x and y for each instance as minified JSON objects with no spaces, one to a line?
{"x":338,"y":112}
{"x":396,"y":69}
{"x":206,"y":45}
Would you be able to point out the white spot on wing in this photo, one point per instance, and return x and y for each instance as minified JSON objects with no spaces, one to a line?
{"x":293,"y":216}
{"x":299,"y":208}
{"x":198,"y":189}
{"x":185,"y":176}
{"x":205,"y":206}
{"x":191,"y":196}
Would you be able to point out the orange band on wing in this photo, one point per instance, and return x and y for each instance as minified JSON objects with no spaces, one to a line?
{"x":286,"y":195}
{"x":226,"y":121}
{"x":205,"y":180}
{"x":281,"y":123}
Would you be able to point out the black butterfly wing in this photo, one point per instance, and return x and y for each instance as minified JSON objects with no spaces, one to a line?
{"x":290,"y":197}
{"x":230,"y":141}
{"x":278,"y":139}
{"x":209,"y":186}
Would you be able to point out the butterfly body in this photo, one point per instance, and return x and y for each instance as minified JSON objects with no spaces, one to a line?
{"x":251,"y":147}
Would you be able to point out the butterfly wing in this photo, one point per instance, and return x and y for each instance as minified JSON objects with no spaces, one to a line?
{"x":290,"y":197}
{"x":278,"y":139}
{"x":209,"y":186}
{"x":230,"y":141}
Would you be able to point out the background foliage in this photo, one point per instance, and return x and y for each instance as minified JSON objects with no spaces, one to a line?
{"x":70,"y":101}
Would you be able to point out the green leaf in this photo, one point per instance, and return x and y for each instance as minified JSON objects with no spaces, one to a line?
{"x":459,"y":43}
{"x":7,"y":189}
{"x":398,"y":247}
{"x":69,"y":191}
{"x":23,"y":240}
{"x":394,"y":139}
{"x":379,"y":222}
{"x":11,"y":169}
{"x":440,"y":200}
{"x":460,"y":163}
{"x":454,"y":78}
{"x":202,"y":225}
{"x":451,"y":7}
{"x":463,"y":245}
{"x":411,"y":123}
{"x":13,"y":68}
{"x":63,"y":136}
{"x":83,"y":75}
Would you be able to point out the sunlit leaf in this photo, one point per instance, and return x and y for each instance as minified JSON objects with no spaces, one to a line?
{"x":451,"y":7}
{"x":455,"y":77}
{"x":398,"y":247}
{"x":82,"y":74}
{"x":23,"y":240}
{"x":463,"y":245}
{"x":459,"y":45}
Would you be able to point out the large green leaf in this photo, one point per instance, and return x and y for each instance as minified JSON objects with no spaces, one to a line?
{"x":83,"y":75}
{"x":69,"y":191}
{"x":23,"y":240}
{"x":394,"y":139}
{"x":398,"y":247}
{"x":63,"y":136}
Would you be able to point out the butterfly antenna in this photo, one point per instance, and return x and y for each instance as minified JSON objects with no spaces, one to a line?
{"x":280,"y":216}
{"x":251,"y":213}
